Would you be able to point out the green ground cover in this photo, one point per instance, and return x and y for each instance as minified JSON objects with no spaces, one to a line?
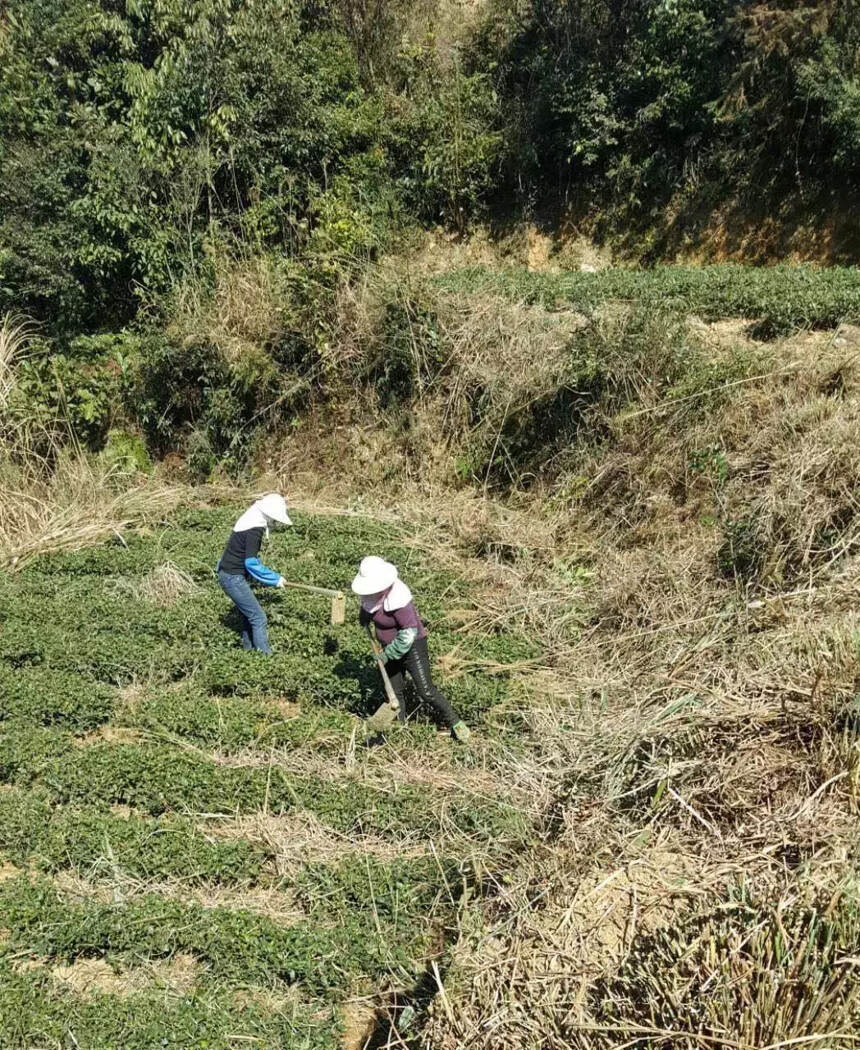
{"x":132,"y":725}
{"x":780,"y":298}
{"x":36,"y":1012}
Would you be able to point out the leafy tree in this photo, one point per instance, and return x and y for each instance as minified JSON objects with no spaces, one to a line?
{"x":627,"y":104}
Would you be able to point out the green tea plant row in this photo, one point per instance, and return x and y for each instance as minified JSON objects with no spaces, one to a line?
{"x":233,"y":944}
{"x":36,"y":1010}
{"x":232,"y":723}
{"x":782,"y":298}
{"x":39,"y":697}
{"x":158,"y":778}
{"x":45,"y":697}
{"x":90,"y":841}
{"x":93,"y":843}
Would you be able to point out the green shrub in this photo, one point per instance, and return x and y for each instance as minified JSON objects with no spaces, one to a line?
{"x":90,"y":841}
{"x":447,"y":135}
{"x":80,"y":387}
{"x":659,"y":119}
{"x":126,"y":453}
{"x":36,"y":1011}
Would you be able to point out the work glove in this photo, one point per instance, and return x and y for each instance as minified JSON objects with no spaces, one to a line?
{"x":281,"y":583}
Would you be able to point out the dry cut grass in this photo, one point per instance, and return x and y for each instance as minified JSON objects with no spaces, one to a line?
{"x":691,"y":744}
{"x":72,"y":504}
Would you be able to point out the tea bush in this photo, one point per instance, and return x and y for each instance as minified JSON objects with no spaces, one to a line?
{"x":123,"y":722}
{"x":402,"y":890}
{"x":779,"y":298}
{"x":158,"y":778}
{"x":40,"y":696}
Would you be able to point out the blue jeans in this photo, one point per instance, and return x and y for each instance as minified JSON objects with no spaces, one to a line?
{"x":238,"y":590}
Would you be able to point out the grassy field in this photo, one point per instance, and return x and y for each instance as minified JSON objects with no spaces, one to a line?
{"x":780,"y":299}
{"x":200,"y":851}
{"x":653,"y":841}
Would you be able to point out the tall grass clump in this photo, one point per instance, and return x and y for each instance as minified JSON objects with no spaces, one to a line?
{"x":479,"y":387}
{"x":53,"y":494}
{"x":14,"y":334}
{"x":769,"y":974}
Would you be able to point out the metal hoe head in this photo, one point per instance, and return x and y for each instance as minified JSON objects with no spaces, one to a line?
{"x":383,"y":717}
{"x":338,"y":609}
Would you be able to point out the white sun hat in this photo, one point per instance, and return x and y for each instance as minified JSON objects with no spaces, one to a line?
{"x":374,"y":576}
{"x":274,"y":506}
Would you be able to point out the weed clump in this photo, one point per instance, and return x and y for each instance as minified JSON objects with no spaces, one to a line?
{"x":764,"y":973}
{"x":741,"y":554}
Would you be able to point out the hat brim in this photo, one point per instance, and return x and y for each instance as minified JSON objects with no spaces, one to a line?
{"x":285,"y":520}
{"x":364,"y":585}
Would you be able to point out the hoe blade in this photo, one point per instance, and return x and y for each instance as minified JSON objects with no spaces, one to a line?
{"x":338,"y":610}
{"x":383,"y":717}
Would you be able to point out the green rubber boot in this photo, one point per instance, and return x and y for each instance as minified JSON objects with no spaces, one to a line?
{"x":461,"y":732}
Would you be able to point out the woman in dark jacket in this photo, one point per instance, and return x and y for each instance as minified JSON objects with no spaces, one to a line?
{"x":240,"y":564}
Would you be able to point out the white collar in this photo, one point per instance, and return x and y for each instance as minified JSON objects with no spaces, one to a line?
{"x":396,"y":597}
{"x":253,"y":518}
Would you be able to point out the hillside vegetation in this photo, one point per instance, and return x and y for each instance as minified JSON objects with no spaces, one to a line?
{"x":653,"y":839}
{"x":472,"y":284}
{"x":190,"y":191}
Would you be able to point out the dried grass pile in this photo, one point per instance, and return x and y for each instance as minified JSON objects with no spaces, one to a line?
{"x":695,"y":882}
{"x":166,"y":584}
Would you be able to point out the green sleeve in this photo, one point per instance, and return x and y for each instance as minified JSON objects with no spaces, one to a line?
{"x":402,"y":643}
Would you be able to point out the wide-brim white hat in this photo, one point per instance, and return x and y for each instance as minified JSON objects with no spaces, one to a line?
{"x":374,"y":575}
{"x":274,"y":506}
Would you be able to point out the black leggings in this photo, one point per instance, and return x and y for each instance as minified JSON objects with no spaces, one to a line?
{"x":417,"y":663}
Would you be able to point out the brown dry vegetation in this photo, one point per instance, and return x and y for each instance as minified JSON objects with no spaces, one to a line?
{"x":691,"y":742}
{"x":698,"y":863}
{"x":176,"y":976}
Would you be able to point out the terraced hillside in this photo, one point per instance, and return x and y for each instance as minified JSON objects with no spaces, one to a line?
{"x":198,"y":848}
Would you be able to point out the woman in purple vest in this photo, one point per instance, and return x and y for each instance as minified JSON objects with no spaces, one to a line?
{"x":387,"y":603}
